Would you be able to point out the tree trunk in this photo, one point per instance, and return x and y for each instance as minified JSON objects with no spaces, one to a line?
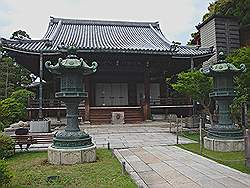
{"x":207,"y":110}
{"x":211,"y":118}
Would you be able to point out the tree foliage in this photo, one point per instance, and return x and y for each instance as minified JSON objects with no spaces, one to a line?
{"x":242,"y":56}
{"x":12,"y":77}
{"x":22,"y":96}
{"x":195,"y":39}
{"x":7,"y":146}
{"x":197,"y":86}
{"x":5,"y":174}
{"x":242,"y":81}
{"x":13,"y":109}
{"x":20,"y":35}
{"x":194,"y":84}
{"x":238,"y":8}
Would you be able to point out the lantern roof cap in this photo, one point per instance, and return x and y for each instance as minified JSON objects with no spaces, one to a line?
{"x":224,"y":67}
{"x":72,"y":62}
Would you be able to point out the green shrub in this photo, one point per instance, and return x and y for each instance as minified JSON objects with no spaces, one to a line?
{"x":5,"y":174}
{"x":2,"y":126}
{"x":11,"y":111}
{"x":6,"y":146}
{"x":22,"y":95}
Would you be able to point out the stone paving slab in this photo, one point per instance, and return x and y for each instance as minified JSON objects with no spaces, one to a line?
{"x":170,"y":166}
{"x":132,"y":136}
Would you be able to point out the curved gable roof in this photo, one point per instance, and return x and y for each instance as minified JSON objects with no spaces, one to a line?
{"x":104,"y":36}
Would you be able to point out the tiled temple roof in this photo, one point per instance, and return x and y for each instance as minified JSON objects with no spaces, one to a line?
{"x":104,"y":36}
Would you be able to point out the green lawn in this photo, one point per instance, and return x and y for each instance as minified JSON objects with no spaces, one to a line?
{"x":30,"y":169}
{"x":232,"y":159}
{"x":191,"y":135}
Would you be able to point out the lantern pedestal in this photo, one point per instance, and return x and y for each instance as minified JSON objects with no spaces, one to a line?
{"x":71,"y":156}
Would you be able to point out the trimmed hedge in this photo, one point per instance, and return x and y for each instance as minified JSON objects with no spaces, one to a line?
{"x":13,"y":109}
{"x":5,"y":174}
{"x":7,"y":146}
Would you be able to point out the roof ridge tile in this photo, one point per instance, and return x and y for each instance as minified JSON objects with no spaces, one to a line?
{"x":104,"y":22}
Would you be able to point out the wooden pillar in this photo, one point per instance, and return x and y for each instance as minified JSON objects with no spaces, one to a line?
{"x":192,"y":101}
{"x":163,"y":89}
{"x":146,"y":105}
{"x":247,"y":147}
{"x":192,"y":63}
{"x":87,"y":100}
{"x":30,"y":110}
{"x":56,"y":102}
{"x":58,"y":114}
{"x":132,"y":98}
{"x":40,"y":112}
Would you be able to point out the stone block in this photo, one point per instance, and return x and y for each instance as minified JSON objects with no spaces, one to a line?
{"x":54,"y":157}
{"x":40,"y":126}
{"x":71,"y":157}
{"x":151,"y":177}
{"x":88,"y":155}
{"x":19,"y":124}
{"x":158,"y":117}
{"x":224,"y":145}
{"x":117,"y":118}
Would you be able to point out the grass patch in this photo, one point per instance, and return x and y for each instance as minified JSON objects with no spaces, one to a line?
{"x":31,"y":169}
{"x":234,"y":160}
{"x":191,"y":135}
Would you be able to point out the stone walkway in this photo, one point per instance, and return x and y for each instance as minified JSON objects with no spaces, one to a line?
{"x":153,"y":161}
{"x":170,"y":166}
{"x":127,"y":136}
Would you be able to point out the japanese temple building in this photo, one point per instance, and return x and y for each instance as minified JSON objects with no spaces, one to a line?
{"x":134,"y":61}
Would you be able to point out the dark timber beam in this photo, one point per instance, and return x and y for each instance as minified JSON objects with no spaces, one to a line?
{"x":40,"y":113}
{"x":87,"y":100}
{"x":146,"y":105}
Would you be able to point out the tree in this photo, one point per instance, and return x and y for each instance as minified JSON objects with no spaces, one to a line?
{"x":12,"y":76}
{"x":11,"y":111}
{"x":238,"y":8}
{"x":242,"y":81}
{"x":242,"y":56}
{"x":197,"y":86}
{"x":195,"y":39}
{"x":14,"y":108}
{"x":20,"y":35}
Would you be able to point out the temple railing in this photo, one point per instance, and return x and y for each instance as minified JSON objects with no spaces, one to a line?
{"x":48,"y":103}
{"x":170,"y":101}
{"x":55,"y":103}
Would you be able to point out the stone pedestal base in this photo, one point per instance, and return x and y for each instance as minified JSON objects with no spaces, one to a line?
{"x":71,"y":156}
{"x":224,"y":145}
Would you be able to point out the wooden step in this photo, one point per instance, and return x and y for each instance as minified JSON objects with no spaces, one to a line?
{"x":102,"y":116}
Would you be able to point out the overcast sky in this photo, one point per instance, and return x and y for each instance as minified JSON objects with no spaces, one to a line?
{"x":177,"y":17}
